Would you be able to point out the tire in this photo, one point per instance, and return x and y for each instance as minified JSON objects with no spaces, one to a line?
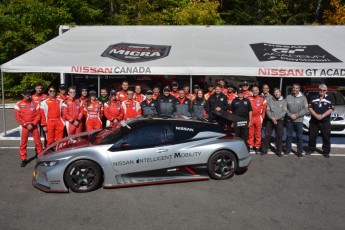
{"x":83,"y":176}
{"x":222,"y":165}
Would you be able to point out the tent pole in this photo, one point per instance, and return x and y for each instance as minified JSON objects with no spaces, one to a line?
{"x":3,"y":102}
{"x":190,"y":84}
{"x":281,"y":84}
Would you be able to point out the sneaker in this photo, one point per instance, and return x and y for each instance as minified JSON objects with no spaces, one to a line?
{"x":286,"y":154}
{"x":326,"y":155}
{"x":23,"y":164}
{"x":279,"y":154}
{"x":256,"y":151}
{"x":300,"y":155}
{"x":251,"y":149}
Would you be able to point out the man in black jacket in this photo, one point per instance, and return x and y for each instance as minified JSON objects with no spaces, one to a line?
{"x":216,"y":102}
{"x":149,"y":106}
{"x":167,"y":103}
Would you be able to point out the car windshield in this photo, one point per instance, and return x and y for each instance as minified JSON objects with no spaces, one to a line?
{"x":338,"y":97}
{"x":110,"y":134}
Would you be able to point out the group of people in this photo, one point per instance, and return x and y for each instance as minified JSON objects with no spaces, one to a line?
{"x":61,"y":114}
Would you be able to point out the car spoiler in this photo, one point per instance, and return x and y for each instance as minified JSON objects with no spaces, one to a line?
{"x":226,"y":117}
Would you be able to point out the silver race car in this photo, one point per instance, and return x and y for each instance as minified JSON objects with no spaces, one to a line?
{"x":141,"y":151}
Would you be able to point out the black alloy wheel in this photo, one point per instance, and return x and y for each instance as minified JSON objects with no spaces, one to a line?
{"x":83,"y":176}
{"x":222,"y":165}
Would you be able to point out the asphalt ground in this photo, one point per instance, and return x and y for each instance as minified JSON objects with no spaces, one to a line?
{"x":276,"y":193}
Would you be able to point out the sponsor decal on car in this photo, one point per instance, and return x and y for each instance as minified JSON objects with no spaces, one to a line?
{"x":132,"y":52}
{"x":183,"y":155}
{"x":152,"y":159}
{"x":184,"y":129}
{"x":292,"y":53}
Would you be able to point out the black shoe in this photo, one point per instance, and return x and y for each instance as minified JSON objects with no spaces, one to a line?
{"x":256,"y":151}
{"x":23,"y":164}
{"x":279,"y":154}
{"x":309,"y":151}
{"x":326,"y":155}
{"x":251,"y":149}
{"x":300,"y":155}
{"x":286,"y":154}
{"x":263,"y":153}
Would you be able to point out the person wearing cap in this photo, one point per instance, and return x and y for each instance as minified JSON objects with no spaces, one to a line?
{"x":221,"y":82}
{"x":51,"y":117}
{"x":241,"y":107}
{"x":187,"y":93}
{"x":138,"y":96}
{"x":149,"y":106}
{"x":217,"y":102}
{"x":93,"y":111}
{"x":122,"y":95}
{"x":245,"y":87}
{"x":174,"y":87}
{"x":103,"y":99}
{"x":131,"y":107}
{"x":38,"y":96}
{"x":198,"y":106}
{"x":167,"y":103}
{"x":156,"y":92}
{"x":276,"y":111}
{"x":27,"y":113}
{"x":258,"y":104}
{"x":113,"y":110}
{"x":230,"y":94}
{"x":210,"y":91}
{"x":72,"y":112}
{"x":63,"y":94}
{"x":183,"y":105}
{"x":196,"y":88}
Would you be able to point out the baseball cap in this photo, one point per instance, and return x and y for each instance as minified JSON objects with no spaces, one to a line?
{"x":166,"y":88}
{"x":113,"y":91}
{"x":62,"y":86}
{"x":149,"y":92}
{"x":230,"y":85}
{"x":196,"y":87}
{"x":174,"y":83}
{"x":245,"y":83}
{"x":26,"y":91}
{"x":92,"y":92}
{"x":240,"y":90}
{"x":210,"y":85}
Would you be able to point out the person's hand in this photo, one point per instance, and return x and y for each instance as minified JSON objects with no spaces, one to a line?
{"x":115,"y":121}
{"x":319,"y":116}
{"x":76,"y":123}
{"x":29,"y":126}
{"x":293,"y":117}
{"x":45,"y":129}
{"x":218,"y":109}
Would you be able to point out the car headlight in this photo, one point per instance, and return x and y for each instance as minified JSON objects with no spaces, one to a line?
{"x":48,"y":163}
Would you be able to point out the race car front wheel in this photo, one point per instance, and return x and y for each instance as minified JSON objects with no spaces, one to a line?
{"x":83,"y":176}
{"x":222,"y":165}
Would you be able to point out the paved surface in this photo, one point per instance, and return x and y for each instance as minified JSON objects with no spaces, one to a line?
{"x":276,"y":193}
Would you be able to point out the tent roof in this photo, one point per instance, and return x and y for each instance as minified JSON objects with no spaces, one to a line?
{"x":287,"y":51}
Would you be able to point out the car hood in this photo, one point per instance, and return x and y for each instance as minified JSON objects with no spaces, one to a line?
{"x":71,"y":142}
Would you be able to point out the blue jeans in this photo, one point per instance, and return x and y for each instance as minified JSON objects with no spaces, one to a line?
{"x":296,"y":127}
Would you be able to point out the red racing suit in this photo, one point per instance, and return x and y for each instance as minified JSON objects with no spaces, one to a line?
{"x":155,"y":96}
{"x":93,"y":113}
{"x":72,"y":111}
{"x":175,"y":94}
{"x":131,"y":108}
{"x":83,"y":120}
{"x":39,"y":97}
{"x":231,"y":97}
{"x":62,"y":97}
{"x":121,"y":96}
{"x":247,"y":94}
{"x":207,"y":95}
{"x":113,"y":111}
{"x":51,"y":117}
{"x":139,"y":97}
{"x":189,"y":96}
{"x":28,"y":112}
{"x":258,"y":104}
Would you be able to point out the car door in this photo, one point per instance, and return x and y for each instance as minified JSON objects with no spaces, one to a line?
{"x":146,"y":148}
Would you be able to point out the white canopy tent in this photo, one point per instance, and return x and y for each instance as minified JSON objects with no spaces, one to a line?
{"x":267,"y":51}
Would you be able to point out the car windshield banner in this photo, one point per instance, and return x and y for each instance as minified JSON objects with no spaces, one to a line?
{"x":292,"y":53}
{"x":132,"y":52}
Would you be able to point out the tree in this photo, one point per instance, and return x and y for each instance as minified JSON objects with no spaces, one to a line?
{"x":335,"y":15}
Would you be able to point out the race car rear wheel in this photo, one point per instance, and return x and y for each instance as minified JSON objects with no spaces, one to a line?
{"x":222,"y":165}
{"x":83,"y":176}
